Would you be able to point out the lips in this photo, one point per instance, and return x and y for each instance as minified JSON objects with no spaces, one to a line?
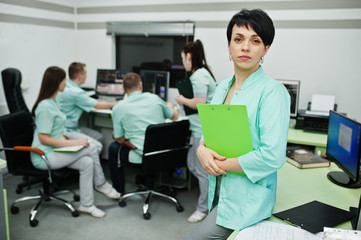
{"x":244,"y":57}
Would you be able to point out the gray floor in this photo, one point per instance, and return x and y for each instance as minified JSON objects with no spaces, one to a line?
{"x":56,"y":222}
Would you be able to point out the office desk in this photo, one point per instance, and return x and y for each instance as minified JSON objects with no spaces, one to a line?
{"x":298,"y":186}
{"x":317,"y":140}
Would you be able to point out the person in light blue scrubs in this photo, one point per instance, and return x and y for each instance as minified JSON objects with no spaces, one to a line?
{"x":203,"y":85}
{"x":73,"y":101}
{"x":131,"y":117}
{"x":239,"y":200}
{"x":48,"y":135}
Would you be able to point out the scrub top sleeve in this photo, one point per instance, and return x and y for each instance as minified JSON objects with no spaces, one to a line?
{"x":85,"y":102}
{"x":44,"y":121}
{"x":270,"y":155}
{"x":167,"y":111}
{"x":199,"y":88}
{"x":118,"y":129}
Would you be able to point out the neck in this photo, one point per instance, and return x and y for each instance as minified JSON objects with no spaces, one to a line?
{"x":132,"y":90}
{"x":76,"y":81}
{"x":54,"y":95}
{"x":242,"y":74}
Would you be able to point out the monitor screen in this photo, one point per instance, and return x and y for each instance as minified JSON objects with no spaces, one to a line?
{"x":110,"y":82}
{"x":293,"y":88}
{"x":155,"y":82}
{"x":343,"y":148}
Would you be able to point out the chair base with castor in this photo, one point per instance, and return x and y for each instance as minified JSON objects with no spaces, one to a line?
{"x":45,"y":195}
{"x":148,"y":194}
{"x":16,"y":131}
{"x":166,"y":148}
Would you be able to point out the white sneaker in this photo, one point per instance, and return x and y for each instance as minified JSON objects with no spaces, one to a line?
{"x":93,"y":210}
{"x":197,"y":216}
{"x":108,"y":191}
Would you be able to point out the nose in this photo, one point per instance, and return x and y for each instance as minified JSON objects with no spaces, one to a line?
{"x":245,"y":46}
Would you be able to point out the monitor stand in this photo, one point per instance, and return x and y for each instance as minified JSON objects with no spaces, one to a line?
{"x":342,"y":179}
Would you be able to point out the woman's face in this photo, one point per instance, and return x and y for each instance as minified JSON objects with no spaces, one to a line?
{"x":187,"y":61}
{"x":62,"y":85}
{"x":246,"y":48}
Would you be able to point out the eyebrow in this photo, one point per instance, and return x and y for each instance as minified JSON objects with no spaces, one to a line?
{"x":240,"y":34}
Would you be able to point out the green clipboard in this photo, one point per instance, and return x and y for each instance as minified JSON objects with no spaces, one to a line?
{"x":226,"y":129}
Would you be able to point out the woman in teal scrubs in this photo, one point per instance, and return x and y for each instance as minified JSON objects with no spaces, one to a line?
{"x":203,"y":85}
{"x":237,"y":201}
{"x":50,"y":121}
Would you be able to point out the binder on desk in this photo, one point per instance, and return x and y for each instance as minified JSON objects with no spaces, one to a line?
{"x":185,"y":88}
{"x":313,"y":216}
{"x":226,"y":129}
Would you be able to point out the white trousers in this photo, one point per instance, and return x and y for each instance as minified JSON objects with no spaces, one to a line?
{"x":87,"y":162}
{"x":196,"y":168}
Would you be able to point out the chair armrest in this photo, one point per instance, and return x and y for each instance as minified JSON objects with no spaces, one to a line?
{"x":29,"y":149}
{"x":128,"y":145}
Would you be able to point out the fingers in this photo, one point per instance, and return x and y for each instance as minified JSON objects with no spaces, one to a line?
{"x":207,"y":159}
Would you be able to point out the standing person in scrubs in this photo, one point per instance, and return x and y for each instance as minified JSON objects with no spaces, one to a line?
{"x":50,"y":121}
{"x":73,"y":101}
{"x":203,"y":85}
{"x":237,"y":201}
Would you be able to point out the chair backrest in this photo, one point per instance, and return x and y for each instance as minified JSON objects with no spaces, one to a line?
{"x":166,"y":146}
{"x":16,"y":129}
{"x":11,"y":82}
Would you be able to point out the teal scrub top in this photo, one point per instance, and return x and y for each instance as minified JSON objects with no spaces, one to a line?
{"x":48,"y":120}
{"x":133,"y":115}
{"x":247,"y":199}
{"x":73,"y":101}
{"x":203,"y":86}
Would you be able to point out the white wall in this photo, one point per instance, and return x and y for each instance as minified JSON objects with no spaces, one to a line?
{"x":32,"y":49}
{"x":325,"y":60}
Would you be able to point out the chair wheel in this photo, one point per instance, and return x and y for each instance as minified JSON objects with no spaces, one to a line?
{"x":76,"y":198}
{"x":34,"y":223}
{"x":75,"y":213}
{"x":19,"y":190}
{"x":14,"y":209}
{"x":180,"y":208}
{"x":122,"y":203}
{"x":146,"y":216}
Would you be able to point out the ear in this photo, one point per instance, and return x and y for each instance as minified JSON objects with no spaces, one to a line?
{"x":188,"y":57}
{"x":141,"y":86}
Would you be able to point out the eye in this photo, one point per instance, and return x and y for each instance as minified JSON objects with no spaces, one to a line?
{"x":256,"y":41}
{"x":237,"y":39}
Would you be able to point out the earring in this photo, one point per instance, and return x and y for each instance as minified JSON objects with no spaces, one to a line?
{"x":261,"y":60}
{"x":230,"y":59}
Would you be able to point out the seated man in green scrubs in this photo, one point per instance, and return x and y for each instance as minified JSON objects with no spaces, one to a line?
{"x":131,"y":117}
{"x":73,"y":101}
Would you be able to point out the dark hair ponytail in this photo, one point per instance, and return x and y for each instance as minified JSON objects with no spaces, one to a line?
{"x":198,"y":56}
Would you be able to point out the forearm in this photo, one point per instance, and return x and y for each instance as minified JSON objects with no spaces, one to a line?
{"x":104,"y":104}
{"x":192,"y":102}
{"x":55,"y":142}
{"x":230,"y":164}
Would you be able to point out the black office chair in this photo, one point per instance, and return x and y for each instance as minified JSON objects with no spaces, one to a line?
{"x":16,"y":133}
{"x":166,"y":147}
{"x":11,"y":78}
{"x":11,"y":82}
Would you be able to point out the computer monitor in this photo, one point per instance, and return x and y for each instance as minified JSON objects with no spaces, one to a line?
{"x":155,"y":82}
{"x":110,"y":82}
{"x":293,"y":88}
{"x":344,"y":148}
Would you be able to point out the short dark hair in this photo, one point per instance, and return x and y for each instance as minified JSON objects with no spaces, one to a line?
{"x":131,"y":81}
{"x":75,"y":69}
{"x":258,"y":20}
